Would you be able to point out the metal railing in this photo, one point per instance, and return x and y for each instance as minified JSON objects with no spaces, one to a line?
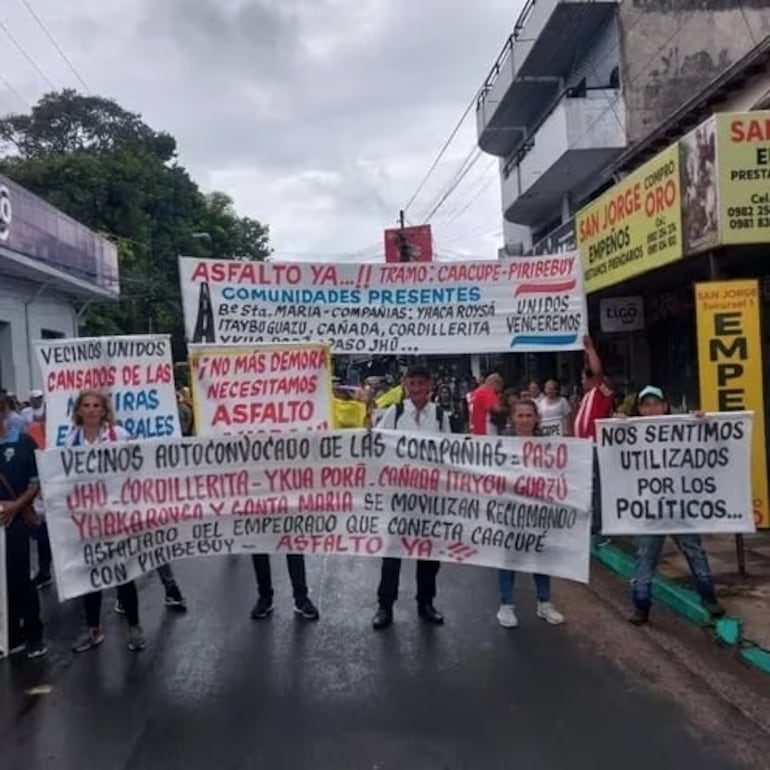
{"x":505,"y":53}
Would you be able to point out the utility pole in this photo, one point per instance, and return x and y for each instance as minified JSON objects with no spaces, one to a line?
{"x":401,"y":219}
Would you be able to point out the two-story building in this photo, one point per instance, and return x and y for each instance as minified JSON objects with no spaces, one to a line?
{"x":50,"y":267}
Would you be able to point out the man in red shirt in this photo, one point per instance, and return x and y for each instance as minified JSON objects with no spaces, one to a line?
{"x":484,"y":405}
{"x":597,"y":404}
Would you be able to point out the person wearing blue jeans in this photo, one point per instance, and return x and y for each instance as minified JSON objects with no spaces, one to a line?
{"x":506,"y":615}
{"x":648,"y":548}
{"x":651,"y":402}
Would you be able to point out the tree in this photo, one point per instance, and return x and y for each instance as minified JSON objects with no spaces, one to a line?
{"x":108,"y":169}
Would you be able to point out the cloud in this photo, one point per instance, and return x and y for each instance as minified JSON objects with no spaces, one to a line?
{"x":319,"y":117}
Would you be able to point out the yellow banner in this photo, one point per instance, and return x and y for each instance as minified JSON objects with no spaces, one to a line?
{"x":636,"y":226}
{"x":730,"y":367}
{"x":743,"y":157}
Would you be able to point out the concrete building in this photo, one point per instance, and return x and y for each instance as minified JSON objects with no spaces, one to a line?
{"x":50,"y":267}
{"x":579,"y":82}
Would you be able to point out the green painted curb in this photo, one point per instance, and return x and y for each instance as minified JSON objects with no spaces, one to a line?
{"x":757,"y":657}
{"x":728,"y":630}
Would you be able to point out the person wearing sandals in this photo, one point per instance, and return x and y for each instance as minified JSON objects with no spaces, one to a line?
{"x":93,"y":423}
{"x":525,"y":420}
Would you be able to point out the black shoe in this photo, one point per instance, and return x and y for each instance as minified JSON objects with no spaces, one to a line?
{"x":429,"y":613}
{"x":262,"y":609}
{"x":175,"y":600}
{"x":306,"y":609}
{"x":640,"y":617}
{"x":714,"y":608}
{"x":382,"y":618}
{"x":42,"y":579}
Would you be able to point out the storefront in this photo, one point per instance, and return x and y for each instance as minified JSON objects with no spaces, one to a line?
{"x":50,"y":267}
{"x":659,"y":251}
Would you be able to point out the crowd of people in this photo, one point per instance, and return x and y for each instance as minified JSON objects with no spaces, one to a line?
{"x":417,"y":403}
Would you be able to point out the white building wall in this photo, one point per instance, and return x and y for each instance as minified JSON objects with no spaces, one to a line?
{"x":25,"y":318}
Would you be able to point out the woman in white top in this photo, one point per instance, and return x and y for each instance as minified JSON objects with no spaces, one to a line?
{"x":554,"y":411}
{"x":93,"y":423}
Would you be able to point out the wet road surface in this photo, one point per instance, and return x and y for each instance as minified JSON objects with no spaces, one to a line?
{"x":215,"y":689}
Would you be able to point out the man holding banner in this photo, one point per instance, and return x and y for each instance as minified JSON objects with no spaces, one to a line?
{"x":417,"y":413}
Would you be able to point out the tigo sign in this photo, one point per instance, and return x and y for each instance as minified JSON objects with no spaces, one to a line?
{"x":621,"y":314}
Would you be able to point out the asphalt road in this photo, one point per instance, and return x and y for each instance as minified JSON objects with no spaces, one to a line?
{"x":215,"y":689}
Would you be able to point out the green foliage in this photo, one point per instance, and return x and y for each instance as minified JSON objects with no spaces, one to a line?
{"x":108,"y":169}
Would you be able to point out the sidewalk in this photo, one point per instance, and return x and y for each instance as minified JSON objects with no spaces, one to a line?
{"x":747,"y":599}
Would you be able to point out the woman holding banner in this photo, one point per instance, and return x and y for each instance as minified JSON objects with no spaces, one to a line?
{"x":651,"y":402}
{"x":93,"y":423}
{"x":525,"y":423}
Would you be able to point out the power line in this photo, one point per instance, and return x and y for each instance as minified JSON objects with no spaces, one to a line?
{"x":51,"y":38}
{"x":12,"y":90}
{"x":440,"y":155}
{"x":24,"y":53}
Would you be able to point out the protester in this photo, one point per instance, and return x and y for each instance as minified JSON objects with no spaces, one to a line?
{"x":36,"y":409}
{"x":13,"y":419}
{"x":93,"y":423}
{"x":535,"y":392}
{"x":451,"y":409}
{"x":416,"y":413}
{"x":485,"y":406}
{"x":553,"y":407}
{"x":525,"y":422}
{"x":264,"y":606}
{"x":18,"y":488}
{"x":651,"y":402}
{"x":36,"y":431}
{"x":597,"y":404}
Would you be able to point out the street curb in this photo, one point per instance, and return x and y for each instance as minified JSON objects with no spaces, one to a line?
{"x":728,"y":631}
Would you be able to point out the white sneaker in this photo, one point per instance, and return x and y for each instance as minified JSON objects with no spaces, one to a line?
{"x":549,"y":613}
{"x":506,"y":616}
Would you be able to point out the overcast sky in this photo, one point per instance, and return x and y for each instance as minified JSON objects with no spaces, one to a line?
{"x":319,"y":117}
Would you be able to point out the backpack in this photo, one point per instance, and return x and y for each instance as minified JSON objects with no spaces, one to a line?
{"x":400,"y":411}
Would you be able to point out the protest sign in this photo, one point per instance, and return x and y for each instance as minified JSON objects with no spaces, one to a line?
{"x":551,"y":426}
{"x":635,"y":226}
{"x":134,"y":372}
{"x":674,"y":475}
{"x":730,"y":367}
{"x":116,"y":511}
{"x":527,"y":304}
{"x":247,"y":389}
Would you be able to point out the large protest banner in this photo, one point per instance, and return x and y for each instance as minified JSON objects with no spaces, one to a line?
{"x":117,"y":511}
{"x":673,"y":475}
{"x":247,"y":389}
{"x":134,"y":371}
{"x":635,"y":226}
{"x":524,"y":304}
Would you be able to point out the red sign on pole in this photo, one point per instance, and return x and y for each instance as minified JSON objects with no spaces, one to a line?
{"x":409,"y":244}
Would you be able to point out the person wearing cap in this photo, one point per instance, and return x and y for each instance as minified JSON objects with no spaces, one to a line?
{"x":417,"y":414}
{"x":35,"y":412}
{"x":652,"y":402}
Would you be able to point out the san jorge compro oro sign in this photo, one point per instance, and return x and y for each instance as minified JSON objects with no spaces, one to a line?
{"x":636,"y":226}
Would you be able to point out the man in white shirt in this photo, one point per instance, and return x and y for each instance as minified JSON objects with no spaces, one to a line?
{"x":415,"y":413}
{"x":35,"y":412}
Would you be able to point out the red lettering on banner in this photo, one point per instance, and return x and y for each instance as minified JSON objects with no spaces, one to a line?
{"x":82,"y":379}
{"x":553,"y":267}
{"x":349,"y":476}
{"x":258,"y":273}
{"x":356,"y":544}
{"x":551,"y":489}
{"x":283,"y":412}
{"x":419,"y":549}
{"x":548,"y":456}
{"x":324,"y":275}
{"x":749,"y":130}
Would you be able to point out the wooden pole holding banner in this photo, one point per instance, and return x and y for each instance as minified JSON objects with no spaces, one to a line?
{"x":740,"y":545}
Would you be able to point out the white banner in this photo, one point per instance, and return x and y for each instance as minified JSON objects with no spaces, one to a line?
{"x":523,"y":304}
{"x":117,"y":511}
{"x":134,"y":371}
{"x":261,"y":388}
{"x":674,"y":475}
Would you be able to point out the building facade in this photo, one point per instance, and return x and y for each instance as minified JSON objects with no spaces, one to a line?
{"x":50,"y":268}
{"x":579,"y":82}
